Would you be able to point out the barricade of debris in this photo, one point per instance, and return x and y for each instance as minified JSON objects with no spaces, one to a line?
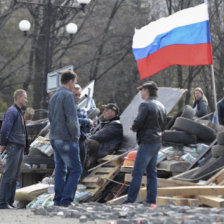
{"x":190,"y":164}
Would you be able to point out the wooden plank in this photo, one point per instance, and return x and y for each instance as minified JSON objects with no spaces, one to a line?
{"x":160,"y":172}
{"x":104,"y":169}
{"x":221,"y":183}
{"x":162,"y":182}
{"x":141,"y":197}
{"x":125,"y":169}
{"x":111,"y":160}
{"x":169,"y":183}
{"x":211,"y":201}
{"x":217,"y":178}
{"x":94,"y":180}
{"x":128,"y":178}
{"x":117,"y":201}
{"x":114,"y":159}
{"x":181,"y":175}
{"x":161,"y":200}
{"x":191,"y":190}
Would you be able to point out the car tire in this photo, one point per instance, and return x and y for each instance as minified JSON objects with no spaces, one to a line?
{"x":218,"y":151}
{"x":202,"y":132}
{"x":220,"y":138}
{"x":188,"y":112}
{"x":178,"y":137}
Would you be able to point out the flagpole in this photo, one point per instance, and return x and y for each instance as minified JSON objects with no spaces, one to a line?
{"x":213,"y":83}
{"x":214,"y":92}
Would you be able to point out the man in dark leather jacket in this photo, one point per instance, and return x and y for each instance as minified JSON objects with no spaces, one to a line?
{"x":149,"y":124}
{"x":107,"y":138}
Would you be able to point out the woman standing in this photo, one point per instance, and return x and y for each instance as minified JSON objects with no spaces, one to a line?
{"x":200,"y":105}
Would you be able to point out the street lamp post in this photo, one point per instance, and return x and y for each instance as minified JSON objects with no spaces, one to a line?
{"x":46,"y":40}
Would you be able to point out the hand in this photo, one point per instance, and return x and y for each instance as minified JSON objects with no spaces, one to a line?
{"x":2,"y":148}
{"x":91,"y":122}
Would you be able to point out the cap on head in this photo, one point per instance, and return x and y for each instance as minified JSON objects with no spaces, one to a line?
{"x":149,"y":84}
{"x":111,"y":106}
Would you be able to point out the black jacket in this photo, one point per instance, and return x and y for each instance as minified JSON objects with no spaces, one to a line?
{"x":220,"y":106}
{"x":202,"y":107}
{"x":150,"y":121}
{"x":109,"y":135}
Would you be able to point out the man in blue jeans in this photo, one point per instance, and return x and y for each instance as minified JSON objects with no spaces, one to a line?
{"x":64,"y":135}
{"x":149,"y":124}
{"x":13,"y":140}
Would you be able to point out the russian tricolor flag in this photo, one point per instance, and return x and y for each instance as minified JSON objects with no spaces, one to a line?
{"x":180,"y":39}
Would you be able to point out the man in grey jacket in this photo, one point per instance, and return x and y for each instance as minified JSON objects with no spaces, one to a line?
{"x":64,"y":136}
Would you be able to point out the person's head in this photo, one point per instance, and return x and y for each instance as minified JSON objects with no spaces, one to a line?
{"x":20,"y":98}
{"x":29,"y":113}
{"x":198,"y":93}
{"x":77,"y":92}
{"x":148,"y":89}
{"x":110,"y":111}
{"x":68,"y":78}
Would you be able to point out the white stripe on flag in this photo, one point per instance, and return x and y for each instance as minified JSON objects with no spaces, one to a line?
{"x":145,"y":36}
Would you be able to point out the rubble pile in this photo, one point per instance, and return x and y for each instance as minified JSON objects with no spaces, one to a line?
{"x":135,"y":213}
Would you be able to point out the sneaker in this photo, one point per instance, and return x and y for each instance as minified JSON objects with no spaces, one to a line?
{"x":12,"y":206}
{"x":126,"y":202}
{"x":146,"y":203}
{"x":153,"y":206}
{"x":5,"y":206}
{"x":68,"y":205}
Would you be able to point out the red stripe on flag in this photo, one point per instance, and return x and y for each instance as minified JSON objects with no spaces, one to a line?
{"x":200,"y":54}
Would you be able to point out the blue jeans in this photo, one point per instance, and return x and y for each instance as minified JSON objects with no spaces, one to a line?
{"x":146,"y":159}
{"x":67,"y":170}
{"x":11,"y":173}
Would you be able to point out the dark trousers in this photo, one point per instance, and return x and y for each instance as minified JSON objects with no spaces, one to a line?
{"x":11,"y":173}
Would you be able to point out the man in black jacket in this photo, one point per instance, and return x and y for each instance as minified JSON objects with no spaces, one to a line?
{"x":149,"y":124}
{"x":108,"y":137}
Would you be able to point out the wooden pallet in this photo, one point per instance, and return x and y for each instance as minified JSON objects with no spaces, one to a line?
{"x":99,"y":178}
{"x":217,"y":179}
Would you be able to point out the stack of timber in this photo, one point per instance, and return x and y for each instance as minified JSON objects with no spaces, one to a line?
{"x":183,"y":193}
{"x":101,"y":175}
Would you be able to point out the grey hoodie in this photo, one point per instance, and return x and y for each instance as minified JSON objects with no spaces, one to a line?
{"x":63,"y":118}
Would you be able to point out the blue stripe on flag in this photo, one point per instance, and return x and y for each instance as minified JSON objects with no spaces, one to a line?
{"x":197,"y":33}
